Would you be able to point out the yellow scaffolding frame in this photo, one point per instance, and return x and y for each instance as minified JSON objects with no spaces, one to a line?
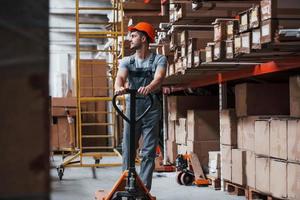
{"x":77,"y":154}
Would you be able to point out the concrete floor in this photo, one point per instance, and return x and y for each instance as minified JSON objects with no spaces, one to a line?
{"x":79,"y":184}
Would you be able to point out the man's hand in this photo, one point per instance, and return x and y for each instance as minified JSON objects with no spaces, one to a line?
{"x":120,"y":90}
{"x":144,"y":90}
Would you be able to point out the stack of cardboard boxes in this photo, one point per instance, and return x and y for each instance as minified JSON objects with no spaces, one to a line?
{"x":193,"y":126}
{"x":261,"y":139}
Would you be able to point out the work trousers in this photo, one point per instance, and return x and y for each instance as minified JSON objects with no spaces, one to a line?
{"x":148,"y":129}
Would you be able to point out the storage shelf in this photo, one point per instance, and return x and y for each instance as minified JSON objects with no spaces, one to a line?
{"x":215,"y":73}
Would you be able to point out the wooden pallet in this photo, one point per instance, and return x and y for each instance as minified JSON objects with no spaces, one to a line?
{"x":215,"y":183}
{"x":254,"y":194}
{"x":235,"y":189}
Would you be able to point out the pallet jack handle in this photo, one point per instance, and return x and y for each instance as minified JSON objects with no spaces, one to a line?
{"x":132,"y":93}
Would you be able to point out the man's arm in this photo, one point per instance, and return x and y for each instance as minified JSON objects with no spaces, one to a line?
{"x":155,"y":83}
{"x":121,"y":80}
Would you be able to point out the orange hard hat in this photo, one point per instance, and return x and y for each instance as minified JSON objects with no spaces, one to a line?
{"x":145,"y":27}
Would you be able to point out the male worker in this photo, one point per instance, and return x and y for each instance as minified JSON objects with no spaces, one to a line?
{"x":144,"y":72}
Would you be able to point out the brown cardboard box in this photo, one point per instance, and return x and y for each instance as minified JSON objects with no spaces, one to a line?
{"x":250,"y":168}
{"x":295,"y":96}
{"x":171,"y":130}
{"x":278,"y":139}
{"x":178,"y":105}
{"x":203,"y":125}
{"x":293,"y":140}
{"x":239,"y":166}
{"x":256,"y":43}
{"x":278,"y":178}
{"x":180,"y":131}
{"x":171,"y":151}
{"x":262,"y":174}
{"x":254,"y":99}
{"x":63,"y":111}
{"x":54,"y":142}
{"x":66,"y":133}
{"x":86,"y":82}
{"x":201,"y":149}
{"x":248,"y":132}
{"x":240,"y":139}
{"x":262,"y":137}
{"x":228,"y":127}
{"x":63,"y":102}
{"x":214,"y":163}
{"x":293,"y":181}
{"x":226,"y":162}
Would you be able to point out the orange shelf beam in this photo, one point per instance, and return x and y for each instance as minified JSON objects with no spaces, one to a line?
{"x":258,"y":70}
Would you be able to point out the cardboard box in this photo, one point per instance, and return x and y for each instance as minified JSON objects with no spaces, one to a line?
{"x":293,"y":181}
{"x":63,"y":111}
{"x":239,"y":166}
{"x":171,"y":151}
{"x":246,"y":42}
{"x":250,"y":168}
{"x":295,"y":96}
{"x":244,"y":21}
{"x":209,"y":52}
{"x":201,"y":149}
{"x":293,"y":140}
{"x":219,"y":50}
{"x":256,"y":36}
{"x":237,"y":44}
{"x":254,"y":17}
{"x":229,"y":49}
{"x":228,"y":127}
{"x":248,"y":132}
{"x":262,"y":137}
{"x":54,"y":141}
{"x":232,"y":28}
{"x":178,"y":105}
{"x":262,"y":174}
{"x":214,"y":163}
{"x":220,"y":32}
{"x":240,"y":137}
{"x":278,"y":179}
{"x":63,"y":102}
{"x":226,"y":162}
{"x":180,"y":131}
{"x":66,"y":133}
{"x":279,"y":9}
{"x":171,"y":130}
{"x":254,"y":99}
{"x":278,"y":139}
{"x":203,"y":125}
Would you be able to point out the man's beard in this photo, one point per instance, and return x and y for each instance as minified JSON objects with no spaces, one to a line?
{"x":135,"y":47}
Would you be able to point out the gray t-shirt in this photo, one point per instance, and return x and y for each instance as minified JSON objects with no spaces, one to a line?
{"x":159,"y":61}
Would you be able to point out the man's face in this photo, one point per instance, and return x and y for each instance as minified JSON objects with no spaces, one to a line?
{"x":136,"y":40}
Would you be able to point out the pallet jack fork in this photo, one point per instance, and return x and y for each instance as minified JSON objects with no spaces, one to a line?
{"x":190,"y":170}
{"x":129,"y":184}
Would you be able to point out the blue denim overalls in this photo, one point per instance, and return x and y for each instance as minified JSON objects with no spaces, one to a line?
{"x":148,"y":127}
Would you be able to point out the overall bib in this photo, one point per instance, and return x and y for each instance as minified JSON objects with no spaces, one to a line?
{"x":148,"y":126}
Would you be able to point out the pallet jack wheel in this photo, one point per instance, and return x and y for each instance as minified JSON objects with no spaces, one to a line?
{"x":178,"y":177}
{"x":187,"y":179}
{"x":60,"y":172}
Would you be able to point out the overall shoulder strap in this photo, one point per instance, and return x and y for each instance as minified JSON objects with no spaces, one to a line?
{"x":152,"y":58}
{"x":132,"y":59}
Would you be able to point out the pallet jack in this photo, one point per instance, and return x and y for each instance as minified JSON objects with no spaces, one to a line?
{"x":129,"y":185}
{"x":190,"y":170}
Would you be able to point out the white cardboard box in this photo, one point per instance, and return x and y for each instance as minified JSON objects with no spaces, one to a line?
{"x":262,"y":174}
{"x":294,"y":140}
{"x":238,"y":166}
{"x":278,"y":139}
{"x":278,"y":178}
{"x":262,"y":137}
